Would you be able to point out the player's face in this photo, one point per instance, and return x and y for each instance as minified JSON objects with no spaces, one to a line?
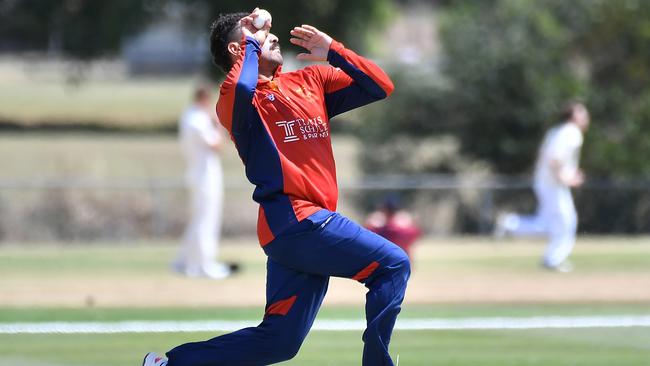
{"x":271,"y":55}
{"x":581,"y":118}
{"x":204,"y":101}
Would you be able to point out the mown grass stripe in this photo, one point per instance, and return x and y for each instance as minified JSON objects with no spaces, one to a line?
{"x":495,"y":323}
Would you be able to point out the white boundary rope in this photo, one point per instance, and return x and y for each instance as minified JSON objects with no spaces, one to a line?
{"x":542,"y":322}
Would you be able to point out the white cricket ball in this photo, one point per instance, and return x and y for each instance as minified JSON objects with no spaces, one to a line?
{"x":263,"y":16}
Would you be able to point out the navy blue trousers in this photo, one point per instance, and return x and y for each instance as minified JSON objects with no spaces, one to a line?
{"x":300,"y":262}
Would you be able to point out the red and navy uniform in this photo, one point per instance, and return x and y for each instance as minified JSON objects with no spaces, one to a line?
{"x":281,"y":129}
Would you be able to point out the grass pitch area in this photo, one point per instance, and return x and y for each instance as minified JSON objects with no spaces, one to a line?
{"x":453,"y":279}
{"x":465,"y":270}
{"x":593,"y":346}
{"x":41,"y":91}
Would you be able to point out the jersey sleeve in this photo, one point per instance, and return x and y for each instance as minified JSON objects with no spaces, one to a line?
{"x":237,"y":91}
{"x":354,"y":81}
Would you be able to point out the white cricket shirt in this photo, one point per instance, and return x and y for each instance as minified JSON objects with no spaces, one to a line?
{"x":563,"y":144}
{"x":197,"y":133}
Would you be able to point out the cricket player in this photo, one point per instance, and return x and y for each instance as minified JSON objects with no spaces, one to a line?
{"x":556,"y":172}
{"x":201,"y":141}
{"x":394,"y":224}
{"x":280,"y":124}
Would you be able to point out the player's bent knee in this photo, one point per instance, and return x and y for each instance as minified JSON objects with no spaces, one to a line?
{"x":402,"y":263}
{"x":396,"y":270}
{"x":283,"y":348}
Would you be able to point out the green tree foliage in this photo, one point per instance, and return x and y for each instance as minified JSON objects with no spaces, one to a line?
{"x":509,"y":65}
{"x":616,"y":47}
{"x":87,"y":29}
{"x":348,"y":21}
{"x":397,"y":132}
{"x":82,"y":29}
{"x":510,"y":70}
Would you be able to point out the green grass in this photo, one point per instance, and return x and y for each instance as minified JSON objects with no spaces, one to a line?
{"x":592,"y":347}
{"x":103,"y":259}
{"x":48,"y":314}
{"x":592,"y":255}
{"x":143,"y":264}
{"x":48,"y":98}
{"x":597,"y":346}
{"x":628,"y":261}
{"x":106,"y":158}
{"x":117,"y":275}
{"x":552,"y":347}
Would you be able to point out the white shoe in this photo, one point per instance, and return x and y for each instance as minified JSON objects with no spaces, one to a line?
{"x":215,"y":271}
{"x":564,"y":267}
{"x":152,"y":359}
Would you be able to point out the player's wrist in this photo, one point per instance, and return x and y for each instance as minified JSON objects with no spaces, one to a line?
{"x":335,"y":47}
{"x":252,"y":42}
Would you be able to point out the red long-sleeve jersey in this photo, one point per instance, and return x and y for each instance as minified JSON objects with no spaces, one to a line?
{"x":281,"y":129}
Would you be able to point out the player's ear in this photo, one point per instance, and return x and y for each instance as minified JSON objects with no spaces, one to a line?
{"x":234,"y":48}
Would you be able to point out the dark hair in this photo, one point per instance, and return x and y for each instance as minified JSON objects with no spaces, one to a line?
{"x":201,"y":92}
{"x":569,"y":109}
{"x":223,"y":31}
{"x":392,"y":203}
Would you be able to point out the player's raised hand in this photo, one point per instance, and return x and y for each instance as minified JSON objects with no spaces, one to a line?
{"x":249,"y":29}
{"x":315,"y":41}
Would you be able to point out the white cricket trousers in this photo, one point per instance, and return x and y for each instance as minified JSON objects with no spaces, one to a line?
{"x":198,"y":253}
{"x":555,"y":218}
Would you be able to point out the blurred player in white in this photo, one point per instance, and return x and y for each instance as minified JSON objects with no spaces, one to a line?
{"x":201,"y":142}
{"x":556,"y":172}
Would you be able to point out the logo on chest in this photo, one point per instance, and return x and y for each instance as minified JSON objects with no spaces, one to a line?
{"x":289,"y":134}
{"x":301,"y":129}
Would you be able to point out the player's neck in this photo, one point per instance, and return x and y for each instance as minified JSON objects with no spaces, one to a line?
{"x":266,"y":74}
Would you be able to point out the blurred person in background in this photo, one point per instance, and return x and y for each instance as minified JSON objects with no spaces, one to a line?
{"x":280,"y":123}
{"x":201,"y":142}
{"x":556,"y":172}
{"x":394,"y":224}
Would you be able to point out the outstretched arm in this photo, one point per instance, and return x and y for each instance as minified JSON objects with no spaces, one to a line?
{"x":361,"y":82}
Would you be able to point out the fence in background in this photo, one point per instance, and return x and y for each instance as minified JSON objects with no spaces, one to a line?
{"x":65,"y":210}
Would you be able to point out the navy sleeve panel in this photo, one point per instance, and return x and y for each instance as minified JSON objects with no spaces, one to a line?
{"x":347,"y":99}
{"x":245,"y":88}
{"x":369,"y":82}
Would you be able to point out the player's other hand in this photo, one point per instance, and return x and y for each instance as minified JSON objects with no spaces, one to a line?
{"x":250,"y":30}
{"x":313,"y":40}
